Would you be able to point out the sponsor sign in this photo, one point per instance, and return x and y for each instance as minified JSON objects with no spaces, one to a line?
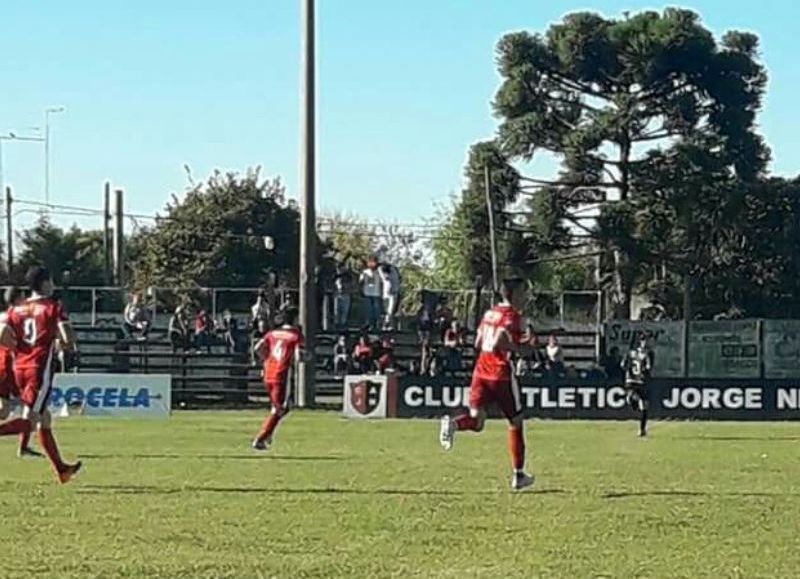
{"x":133,"y":395}
{"x":365,"y":396}
{"x":684,"y":399}
{"x":724,"y":349}
{"x":781,"y":343}
{"x":665,"y":338}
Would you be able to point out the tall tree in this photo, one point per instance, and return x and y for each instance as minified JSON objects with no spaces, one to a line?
{"x":600,"y":94}
{"x":215,"y":235}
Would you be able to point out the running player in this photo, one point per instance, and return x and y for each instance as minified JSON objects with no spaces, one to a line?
{"x":279,"y":348}
{"x":498,"y":337}
{"x":35,"y":324}
{"x":8,"y":385}
{"x":638,"y":366}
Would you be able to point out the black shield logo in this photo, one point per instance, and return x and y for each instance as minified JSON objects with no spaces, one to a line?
{"x":365,"y":396}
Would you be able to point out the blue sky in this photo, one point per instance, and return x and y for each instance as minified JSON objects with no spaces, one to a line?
{"x":404,"y":88}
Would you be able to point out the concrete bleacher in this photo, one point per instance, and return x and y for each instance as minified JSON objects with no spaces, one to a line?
{"x":218,"y":377}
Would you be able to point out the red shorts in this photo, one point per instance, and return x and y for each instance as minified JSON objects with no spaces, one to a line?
{"x":8,"y":386}
{"x":34,"y":386}
{"x":278,"y":394}
{"x":504,"y":393}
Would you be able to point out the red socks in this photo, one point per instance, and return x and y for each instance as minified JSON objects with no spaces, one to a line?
{"x":466,"y":422}
{"x":270,"y":424}
{"x":516,"y":446}
{"x":15,"y":426}
{"x":50,"y":447}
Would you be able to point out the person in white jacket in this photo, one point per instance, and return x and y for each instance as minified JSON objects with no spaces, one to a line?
{"x":390,"y":279}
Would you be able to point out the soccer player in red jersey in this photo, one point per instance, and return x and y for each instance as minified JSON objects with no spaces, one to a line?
{"x":36,"y":324}
{"x":498,"y":337}
{"x":8,"y":384}
{"x":279,"y":349}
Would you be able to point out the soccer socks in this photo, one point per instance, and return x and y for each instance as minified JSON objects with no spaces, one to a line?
{"x":15,"y":426}
{"x":24,"y":440}
{"x":48,"y":443}
{"x":270,"y":424}
{"x":467,"y":422}
{"x":516,"y":447}
{"x":643,"y":422}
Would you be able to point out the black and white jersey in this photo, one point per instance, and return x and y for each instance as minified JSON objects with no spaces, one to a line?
{"x":637,"y":365}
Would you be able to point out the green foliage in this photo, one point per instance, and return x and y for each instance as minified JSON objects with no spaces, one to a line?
{"x":73,"y":256}
{"x":214,"y":236}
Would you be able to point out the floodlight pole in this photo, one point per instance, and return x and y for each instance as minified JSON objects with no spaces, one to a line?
{"x":492,"y":233}
{"x":308,"y":258}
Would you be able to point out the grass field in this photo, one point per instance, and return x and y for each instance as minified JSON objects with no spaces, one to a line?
{"x":336,"y":498}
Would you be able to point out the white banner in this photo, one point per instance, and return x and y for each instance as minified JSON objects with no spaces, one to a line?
{"x":666,"y":339}
{"x":132,"y":395}
{"x":365,"y":396}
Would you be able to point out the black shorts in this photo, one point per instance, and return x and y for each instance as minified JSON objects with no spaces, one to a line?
{"x":639,"y":390}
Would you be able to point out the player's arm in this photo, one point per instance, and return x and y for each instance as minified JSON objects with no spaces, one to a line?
{"x":8,"y":338}
{"x":67,"y":336}
{"x":260,"y":348}
{"x":301,"y":354}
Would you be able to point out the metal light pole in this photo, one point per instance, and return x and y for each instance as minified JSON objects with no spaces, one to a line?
{"x":47,"y":113}
{"x":492,"y":233}
{"x":308,"y":315}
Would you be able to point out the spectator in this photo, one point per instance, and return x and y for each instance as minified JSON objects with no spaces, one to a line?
{"x":372,"y":289}
{"x":342,"y":292}
{"x":136,"y":318}
{"x":555,"y":355}
{"x":362,"y":355}
{"x":340,"y":357}
{"x":384,"y":355}
{"x":230,"y":332}
{"x":531,"y":359}
{"x":261,"y":314}
{"x":390,"y":283}
{"x":453,"y":347}
{"x":612,"y":366}
{"x":426,"y":355}
{"x":178,"y":329}
{"x":443,"y":317}
{"x":203,"y":328}
{"x":425,"y":315}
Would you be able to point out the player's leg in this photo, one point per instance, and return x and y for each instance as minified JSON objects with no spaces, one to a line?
{"x":472,"y":420}
{"x":41,"y":415}
{"x":278,"y":394}
{"x":509,"y":399}
{"x":16,"y":426}
{"x":5,"y":408}
{"x":643,"y":405}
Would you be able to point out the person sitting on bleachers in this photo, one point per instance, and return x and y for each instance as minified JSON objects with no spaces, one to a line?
{"x":341,"y":363}
{"x":554,"y":362}
{"x":203,"y":329}
{"x":443,"y":317}
{"x":229,"y":328}
{"x":531,"y":358}
{"x":383,"y":355}
{"x":362,"y":355}
{"x":178,"y":329}
{"x":136,"y":318}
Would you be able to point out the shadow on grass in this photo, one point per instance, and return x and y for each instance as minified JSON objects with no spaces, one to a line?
{"x":739,"y":438}
{"x":702,"y":494}
{"x":209,"y":457}
{"x":159,"y":490}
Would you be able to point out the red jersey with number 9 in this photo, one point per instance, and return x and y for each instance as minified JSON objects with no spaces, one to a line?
{"x":282,"y":345}
{"x":493,"y":362}
{"x":35,"y":324}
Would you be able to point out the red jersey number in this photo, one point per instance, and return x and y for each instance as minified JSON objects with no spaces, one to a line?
{"x":493,"y":363}
{"x":35,"y":324}
{"x":282,"y":345}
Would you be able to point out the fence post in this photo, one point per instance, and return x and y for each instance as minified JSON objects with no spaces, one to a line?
{"x":214,"y":303}
{"x":94,"y":307}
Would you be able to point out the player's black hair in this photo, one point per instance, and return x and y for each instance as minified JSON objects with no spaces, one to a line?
{"x":287,"y":317}
{"x":36,"y":277}
{"x":11,"y":295}
{"x":508,"y":286}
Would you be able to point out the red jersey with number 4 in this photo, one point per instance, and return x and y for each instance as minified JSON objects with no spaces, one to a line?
{"x":35,"y":324}
{"x":281,"y":345}
{"x":493,"y":361}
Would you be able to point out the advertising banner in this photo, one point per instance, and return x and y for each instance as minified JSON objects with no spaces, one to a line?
{"x":680,"y":399}
{"x":365,"y":396}
{"x":131,"y":395}
{"x":665,"y":338}
{"x":724,"y":349}
{"x":781,"y":343}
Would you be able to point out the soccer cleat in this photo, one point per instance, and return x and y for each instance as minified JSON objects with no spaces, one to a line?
{"x":69,"y":472}
{"x":447,"y":433}
{"x":642,"y":433}
{"x":28,"y":452}
{"x":521,"y":481}
{"x":260,"y":445}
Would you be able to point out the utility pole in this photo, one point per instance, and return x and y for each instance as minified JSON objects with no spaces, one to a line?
{"x":47,"y":114}
{"x":492,"y":235}
{"x":119,"y":240}
{"x":9,"y":232}
{"x":107,"y":233}
{"x":308,"y":258}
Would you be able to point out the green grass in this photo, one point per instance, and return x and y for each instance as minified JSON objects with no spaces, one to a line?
{"x":336,"y":498}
